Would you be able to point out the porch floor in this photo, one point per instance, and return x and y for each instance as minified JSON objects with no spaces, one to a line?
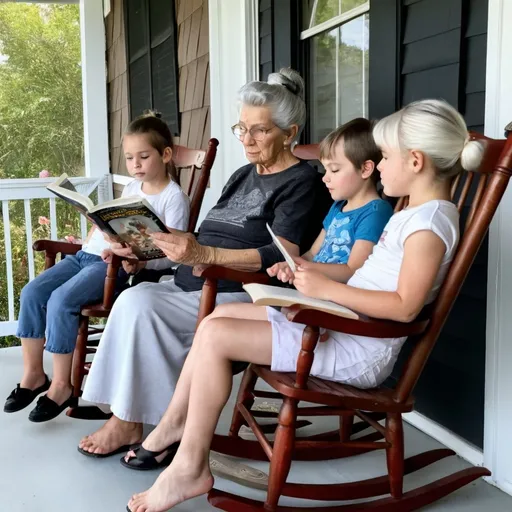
{"x":42,"y":471}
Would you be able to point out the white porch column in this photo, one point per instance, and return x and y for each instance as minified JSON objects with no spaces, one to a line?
{"x":233,"y":62}
{"x":498,"y":398}
{"x":94,"y":88}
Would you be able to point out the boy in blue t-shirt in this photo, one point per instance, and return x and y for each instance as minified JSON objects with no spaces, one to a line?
{"x":358,"y":216}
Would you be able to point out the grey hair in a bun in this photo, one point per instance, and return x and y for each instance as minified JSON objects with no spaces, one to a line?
{"x":436,"y":129}
{"x":283,"y":94}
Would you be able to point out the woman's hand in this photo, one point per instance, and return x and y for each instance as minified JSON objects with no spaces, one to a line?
{"x":184,"y":248}
{"x":132,"y":267}
{"x":312,"y":283}
{"x":282,"y":271}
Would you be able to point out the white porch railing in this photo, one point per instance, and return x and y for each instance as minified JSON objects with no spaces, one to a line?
{"x":26,"y":190}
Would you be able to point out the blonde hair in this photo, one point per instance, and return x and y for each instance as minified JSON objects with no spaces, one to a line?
{"x":437,"y":130}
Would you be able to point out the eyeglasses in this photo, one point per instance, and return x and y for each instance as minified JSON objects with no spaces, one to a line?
{"x":256,"y":133}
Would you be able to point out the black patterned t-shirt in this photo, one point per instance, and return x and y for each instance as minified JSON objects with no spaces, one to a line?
{"x":284,"y":200}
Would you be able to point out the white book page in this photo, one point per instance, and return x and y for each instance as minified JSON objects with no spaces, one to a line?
{"x":276,"y":296}
{"x":284,"y":252}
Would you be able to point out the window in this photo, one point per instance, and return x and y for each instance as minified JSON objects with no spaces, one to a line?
{"x":337,"y":36}
{"x":152,"y":61}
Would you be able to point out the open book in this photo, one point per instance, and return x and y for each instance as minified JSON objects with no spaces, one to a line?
{"x":129,"y":220}
{"x":284,"y":252}
{"x":265,"y":295}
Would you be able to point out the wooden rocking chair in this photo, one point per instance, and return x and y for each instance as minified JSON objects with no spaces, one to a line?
{"x":347,"y":402}
{"x":193,"y":167}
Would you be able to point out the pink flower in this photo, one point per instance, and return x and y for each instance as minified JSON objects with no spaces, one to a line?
{"x":43,"y":221}
{"x":44,"y":174}
{"x":70,"y":239}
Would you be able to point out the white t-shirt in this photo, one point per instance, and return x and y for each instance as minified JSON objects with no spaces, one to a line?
{"x":172,"y":205}
{"x":381,"y":271}
{"x":358,"y":360}
{"x":382,"y":268}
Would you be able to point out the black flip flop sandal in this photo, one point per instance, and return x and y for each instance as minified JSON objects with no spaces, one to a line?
{"x":145,"y":460}
{"x":122,"y":449}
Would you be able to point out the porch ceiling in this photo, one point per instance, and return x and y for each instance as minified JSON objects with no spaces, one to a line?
{"x":42,"y":471}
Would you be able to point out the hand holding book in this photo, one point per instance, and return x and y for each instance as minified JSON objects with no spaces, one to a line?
{"x":311,"y":283}
{"x":130,"y":220}
{"x":181,"y":247}
{"x":283,"y":272}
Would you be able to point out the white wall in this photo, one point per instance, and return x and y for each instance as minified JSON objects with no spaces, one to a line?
{"x":498,"y":400}
{"x":233,"y":62}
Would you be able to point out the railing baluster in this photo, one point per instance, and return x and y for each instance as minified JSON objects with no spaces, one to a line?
{"x":8,"y":256}
{"x":28,"y":229}
{"x":83,"y":226}
{"x":26,"y":190}
{"x":53,"y":219}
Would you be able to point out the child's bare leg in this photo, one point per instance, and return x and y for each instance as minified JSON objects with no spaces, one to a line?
{"x":221,"y":341}
{"x":60,"y":390}
{"x":170,"y":428}
{"x":33,"y":371}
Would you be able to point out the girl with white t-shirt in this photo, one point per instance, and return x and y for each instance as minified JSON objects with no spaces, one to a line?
{"x":424,"y":145}
{"x":50,"y":304}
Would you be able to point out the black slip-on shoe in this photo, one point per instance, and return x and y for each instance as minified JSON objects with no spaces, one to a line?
{"x":22,"y":397}
{"x":46,"y":409}
{"x":145,"y":460}
{"x":117,"y":451}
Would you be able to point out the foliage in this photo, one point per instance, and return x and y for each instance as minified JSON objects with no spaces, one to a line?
{"x":41,"y":123}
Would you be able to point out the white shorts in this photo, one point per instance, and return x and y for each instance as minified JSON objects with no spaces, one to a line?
{"x":356,"y":360}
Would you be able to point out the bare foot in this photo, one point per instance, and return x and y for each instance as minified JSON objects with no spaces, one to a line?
{"x":112,"y":436}
{"x":178,"y":483}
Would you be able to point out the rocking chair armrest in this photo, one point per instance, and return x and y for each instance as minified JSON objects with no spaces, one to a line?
{"x":216,"y":272}
{"x":54,"y":247}
{"x":370,"y":327}
{"x":109,"y":287}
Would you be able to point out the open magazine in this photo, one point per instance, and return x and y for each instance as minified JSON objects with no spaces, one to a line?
{"x":129,"y":220}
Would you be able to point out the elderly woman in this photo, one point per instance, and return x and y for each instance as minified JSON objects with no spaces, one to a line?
{"x":151,"y":327}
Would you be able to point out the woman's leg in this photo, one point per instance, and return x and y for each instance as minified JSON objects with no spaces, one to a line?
{"x":170,"y":428}
{"x":142,"y":352}
{"x":221,"y":341}
{"x":135,"y":370}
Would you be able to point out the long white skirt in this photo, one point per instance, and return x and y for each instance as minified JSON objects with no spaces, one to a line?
{"x":146,"y":340}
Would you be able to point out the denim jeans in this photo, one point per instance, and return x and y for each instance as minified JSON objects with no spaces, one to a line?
{"x":50,"y":303}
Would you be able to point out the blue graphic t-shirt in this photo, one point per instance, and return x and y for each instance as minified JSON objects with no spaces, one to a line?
{"x":343,"y":229}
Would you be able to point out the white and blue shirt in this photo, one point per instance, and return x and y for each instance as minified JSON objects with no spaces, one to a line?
{"x":343,"y":229}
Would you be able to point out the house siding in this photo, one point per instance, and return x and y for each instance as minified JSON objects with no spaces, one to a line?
{"x":444,"y":44}
{"x":117,"y":84}
{"x":420,"y":49}
{"x":194,"y":78}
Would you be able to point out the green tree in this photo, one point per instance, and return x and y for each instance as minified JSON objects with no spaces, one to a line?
{"x":41,"y":121}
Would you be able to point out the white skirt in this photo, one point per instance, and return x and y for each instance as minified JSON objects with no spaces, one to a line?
{"x":355,"y":360}
{"x":147,"y":338}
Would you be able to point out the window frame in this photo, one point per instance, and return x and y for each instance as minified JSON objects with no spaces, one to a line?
{"x":306,"y":35}
{"x":335,"y":22}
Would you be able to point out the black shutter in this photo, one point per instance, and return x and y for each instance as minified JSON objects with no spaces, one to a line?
{"x":265,"y":35}
{"x":151,"y":39}
{"x":437,"y":49}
